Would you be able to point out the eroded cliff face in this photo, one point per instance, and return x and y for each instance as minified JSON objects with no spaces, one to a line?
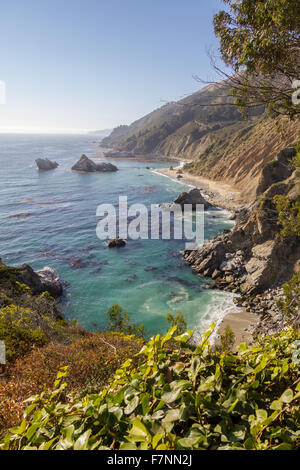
{"x":239,"y":156}
{"x":209,"y":133}
{"x":252,"y":257}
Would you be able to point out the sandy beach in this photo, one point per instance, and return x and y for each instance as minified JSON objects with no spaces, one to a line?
{"x":219,"y":194}
{"x":226,"y":197}
{"x":242,"y":324}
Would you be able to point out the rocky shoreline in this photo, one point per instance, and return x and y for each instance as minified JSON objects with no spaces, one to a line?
{"x":250,"y":260}
{"x":218,"y":194}
{"x":42,"y":280}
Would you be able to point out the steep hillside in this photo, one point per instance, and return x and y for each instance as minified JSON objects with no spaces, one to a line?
{"x":186,"y":122}
{"x":209,"y":133}
{"x":239,"y":155}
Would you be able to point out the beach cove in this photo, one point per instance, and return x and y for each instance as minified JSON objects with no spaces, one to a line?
{"x":51,"y":221}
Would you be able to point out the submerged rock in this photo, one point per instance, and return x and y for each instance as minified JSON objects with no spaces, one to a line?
{"x":116,"y":243}
{"x":46,"y":164}
{"x":87,"y":165}
{"x":193,"y":197}
{"x":150,"y":268}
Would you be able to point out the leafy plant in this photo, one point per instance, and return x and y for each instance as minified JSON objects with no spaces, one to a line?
{"x":290,"y":304}
{"x":227,"y":340}
{"x":177,"y":320}
{"x":119,"y":321}
{"x":289,"y":216}
{"x":177,"y":398}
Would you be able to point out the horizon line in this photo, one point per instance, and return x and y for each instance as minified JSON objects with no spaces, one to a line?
{"x":47,"y":130}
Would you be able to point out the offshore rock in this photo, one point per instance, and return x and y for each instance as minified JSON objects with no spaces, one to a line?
{"x":85,"y":164}
{"x":193,"y":197}
{"x":116,"y":243}
{"x":45,"y":164}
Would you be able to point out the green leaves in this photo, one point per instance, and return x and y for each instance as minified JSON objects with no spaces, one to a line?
{"x":259,"y":40}
{"x":261,"y":415}
{"x":176,"y":397}
{"x":287,"y":396}
{"x":172,"y":391}
{"x":82,"y":441}
{"x":132,"y":405}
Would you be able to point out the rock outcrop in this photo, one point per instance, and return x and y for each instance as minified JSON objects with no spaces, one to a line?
{"x":85,"y":164}
{"x":40,"y":281}
{"x":50,"y":281}
{"x":276,"y":170}
{"x":45,"y":164}
{"x":116,"y":243}
{"x":251,"y":257}
{"x":193,"y":197}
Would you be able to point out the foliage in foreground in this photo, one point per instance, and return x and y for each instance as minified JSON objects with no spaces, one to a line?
{"x":119,"y":321}
{"x":177,"y":397}
{"x":290,"y":303}
{"x":92,"y":361}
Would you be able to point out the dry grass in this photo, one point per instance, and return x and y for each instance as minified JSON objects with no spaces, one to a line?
{"x":92,"y":361}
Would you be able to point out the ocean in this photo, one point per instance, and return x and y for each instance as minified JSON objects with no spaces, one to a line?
{"x":49,"y":219}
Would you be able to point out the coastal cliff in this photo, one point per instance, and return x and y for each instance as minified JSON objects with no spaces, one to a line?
{"x":254,"y":259}
{"x":207,"y":132}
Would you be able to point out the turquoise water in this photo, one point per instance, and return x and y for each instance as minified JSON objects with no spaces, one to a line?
{"x":49,"y":219}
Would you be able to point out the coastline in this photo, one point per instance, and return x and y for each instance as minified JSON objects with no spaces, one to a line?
{"x":223,"y":196}
{"x":242,"y":324}
{"x":219,"y":194}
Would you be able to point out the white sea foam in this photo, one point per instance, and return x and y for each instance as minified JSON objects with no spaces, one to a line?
{"x":174,"y":179}
{"x":216,"y":311}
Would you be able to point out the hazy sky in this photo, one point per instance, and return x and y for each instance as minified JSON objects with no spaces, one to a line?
{"x":95,"y":64}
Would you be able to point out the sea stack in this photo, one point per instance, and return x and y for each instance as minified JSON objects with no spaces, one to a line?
{"x":193,"y":197}
{"x":45,"y":164}
{"x":87,"y":165}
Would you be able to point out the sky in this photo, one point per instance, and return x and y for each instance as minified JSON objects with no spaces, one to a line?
{"x":78,"y":65}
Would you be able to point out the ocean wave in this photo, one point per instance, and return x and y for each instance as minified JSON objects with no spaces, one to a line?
{"x":174,"y":179}
{"x":216,"y":311}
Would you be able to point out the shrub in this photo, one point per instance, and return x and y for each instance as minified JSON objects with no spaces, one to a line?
{"x":119,"y":321}
{"x":289,"y":216}
{"x":18,"y":332}
{"x":177,"y":320}
{"x":290,"y":303}
{"x":92,"y":362}
{"x":180,"y":398}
